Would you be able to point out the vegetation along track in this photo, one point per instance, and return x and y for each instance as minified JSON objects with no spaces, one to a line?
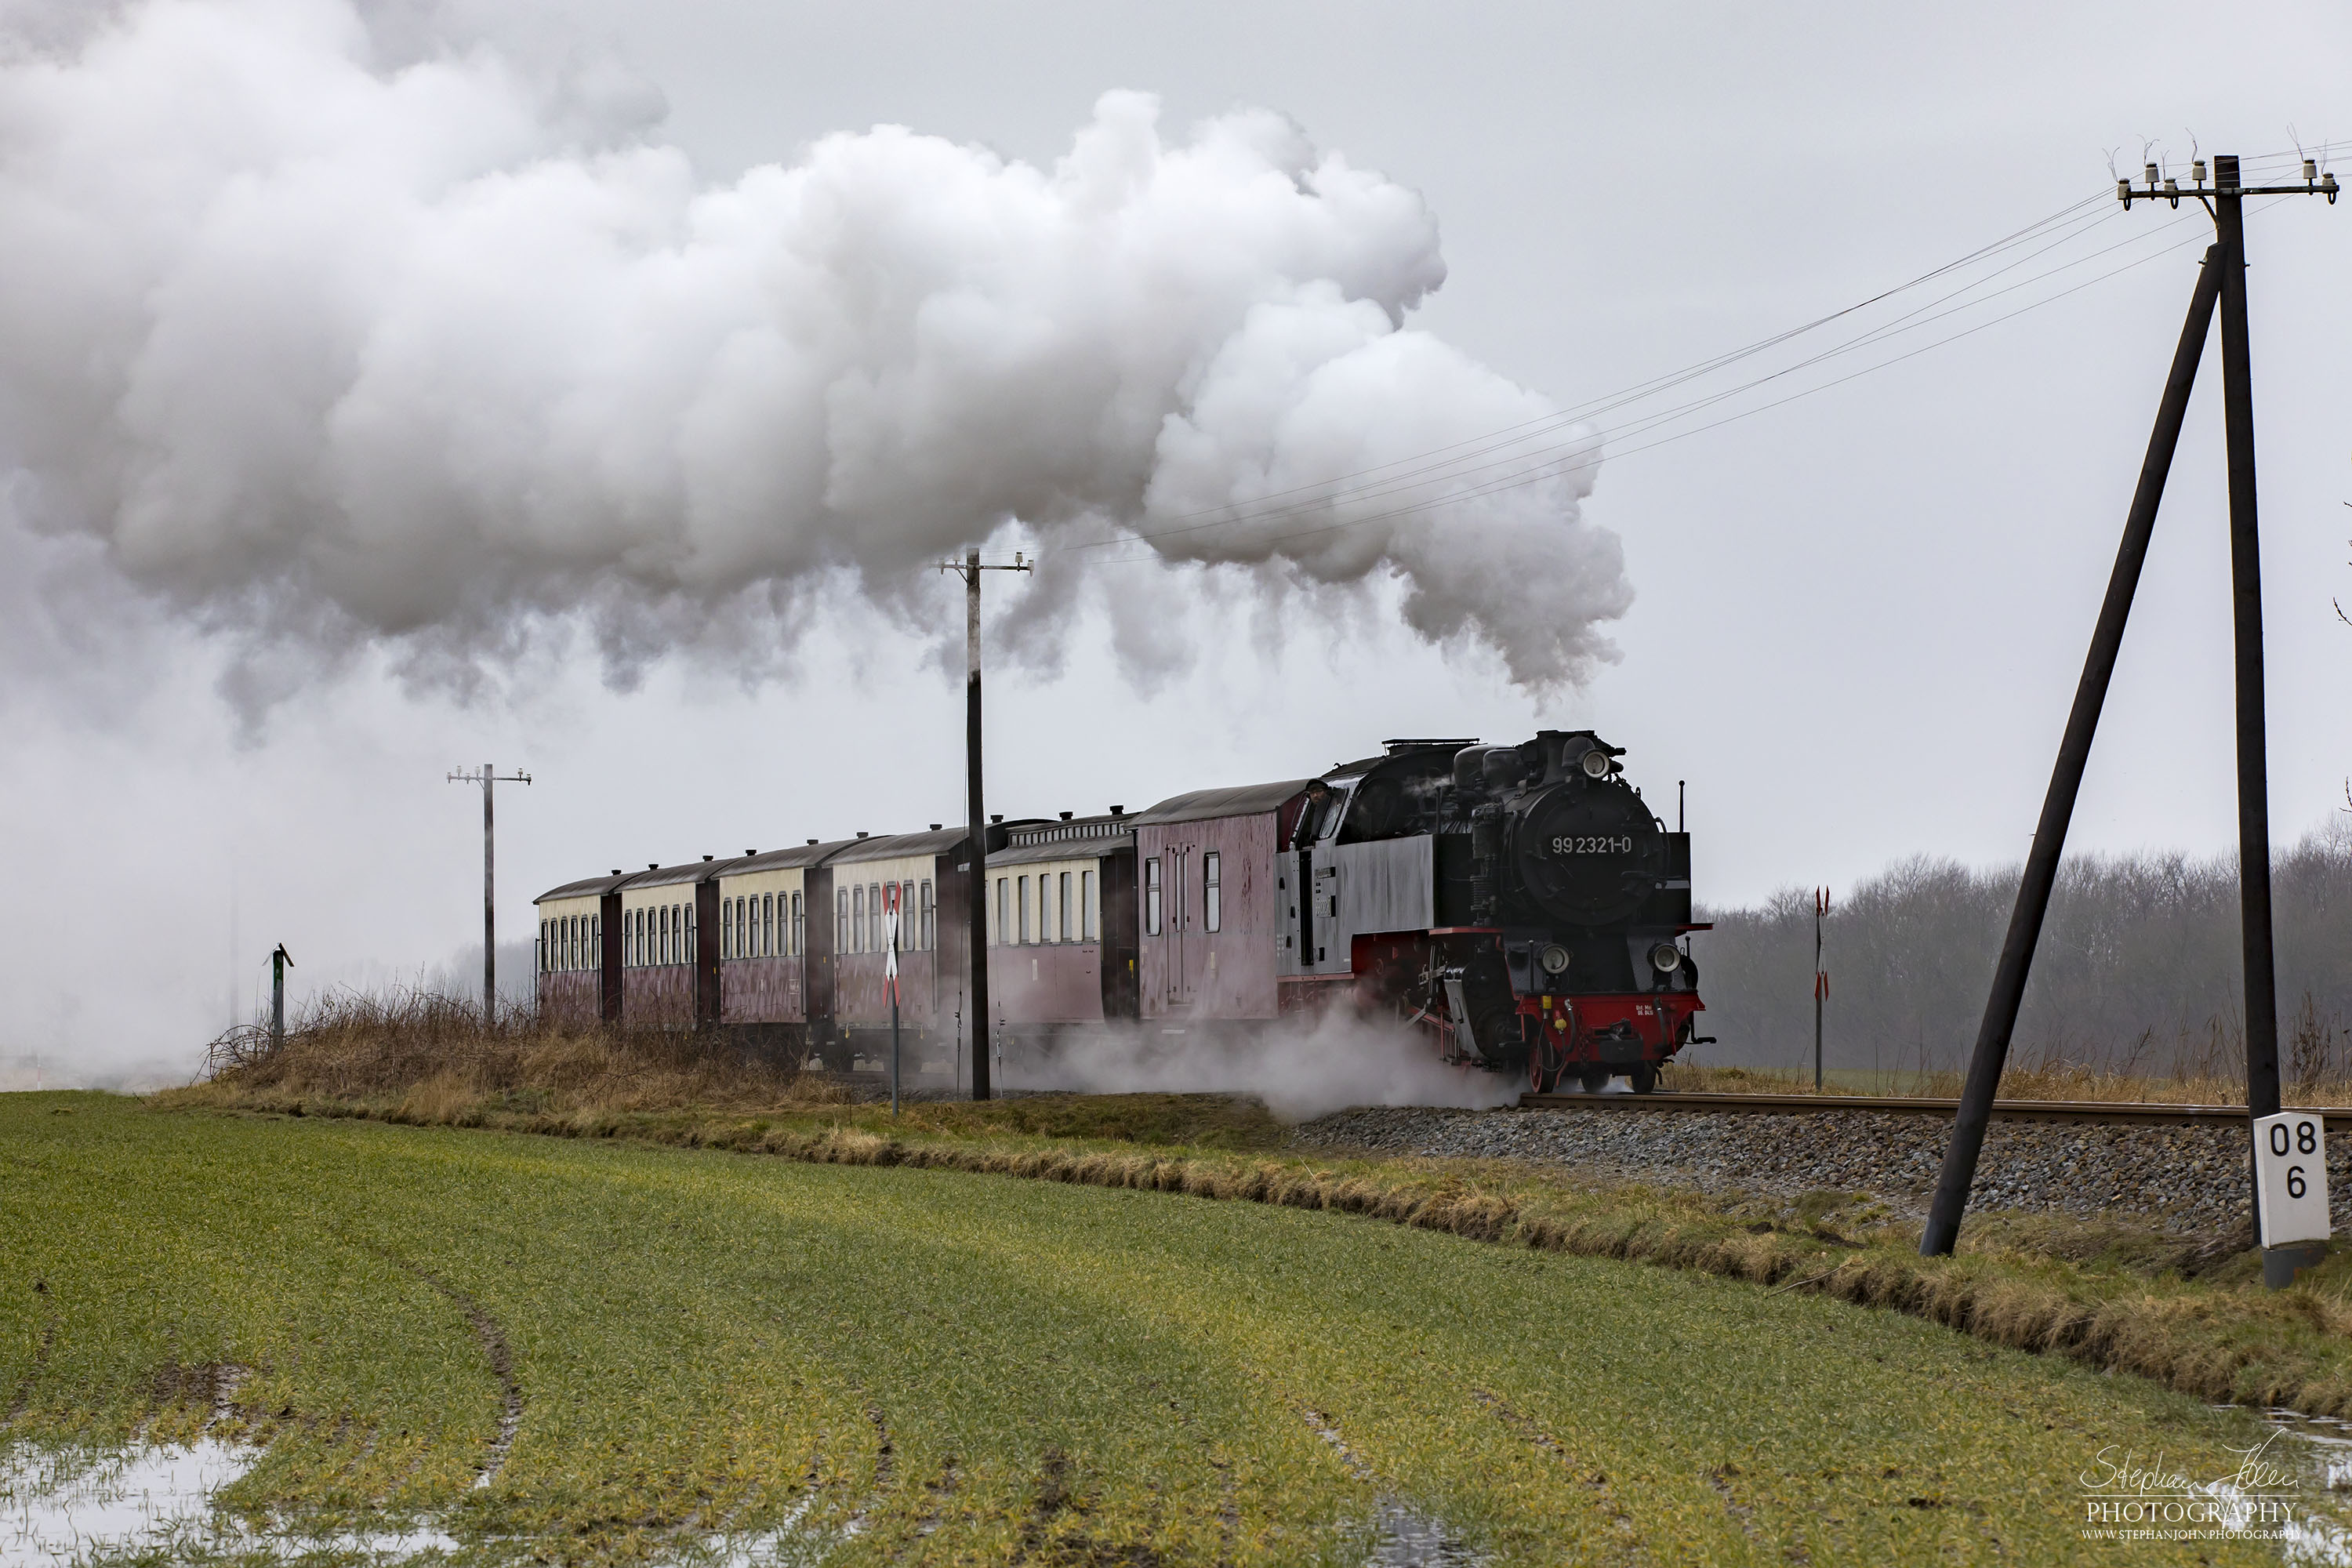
{"x":704,"y":1342}
{"x":2124,"y":1113}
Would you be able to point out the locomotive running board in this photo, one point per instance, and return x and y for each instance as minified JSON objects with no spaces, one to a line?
{"x":2336,"y":1117}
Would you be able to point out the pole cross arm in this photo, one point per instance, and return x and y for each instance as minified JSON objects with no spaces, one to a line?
{"x":976,"y":565}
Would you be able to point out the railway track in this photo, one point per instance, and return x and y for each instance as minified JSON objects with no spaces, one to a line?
{"x":2111,"y":1112}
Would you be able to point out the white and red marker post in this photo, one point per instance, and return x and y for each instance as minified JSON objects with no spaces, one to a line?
{"x":890,"y":982}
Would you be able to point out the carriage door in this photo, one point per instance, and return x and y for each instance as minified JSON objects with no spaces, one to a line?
{"x":1177,"y":861}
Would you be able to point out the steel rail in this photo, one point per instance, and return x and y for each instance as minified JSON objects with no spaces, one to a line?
{"x":2119,"y":1112}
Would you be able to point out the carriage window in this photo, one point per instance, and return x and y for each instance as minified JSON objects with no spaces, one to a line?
{"x":800,"y":927}
{"x":1000,"y":933}
{"x":572,"y":943}
{"x":931,"y":917}
{"x":1085,"y":906}
{"x":596,"y":941}
{"x":1062,"y":906}
{"x":1152,"y":895}
{"x":857,"y":919}
{"x":876,"y":939}
{"x":686,"y":918}
{"x":1022,"y":892}
{"x":1211,"y":903}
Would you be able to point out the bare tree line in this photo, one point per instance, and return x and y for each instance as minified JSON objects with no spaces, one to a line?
{"x":2137,"y":974}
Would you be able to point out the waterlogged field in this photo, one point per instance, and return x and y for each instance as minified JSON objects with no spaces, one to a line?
{"x":488,"y":1347}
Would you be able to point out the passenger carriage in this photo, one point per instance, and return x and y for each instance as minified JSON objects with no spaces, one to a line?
{"x":1061,"y":927}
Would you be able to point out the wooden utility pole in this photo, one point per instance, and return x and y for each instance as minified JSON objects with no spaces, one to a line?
{"x":969,"y":569}
{"x":2223,"y":283}
{"x":488,"y":778}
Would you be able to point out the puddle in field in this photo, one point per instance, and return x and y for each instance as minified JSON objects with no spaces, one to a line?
{"x":1410,"y":1538}
{"x":1402,"y":1536}
{"x":64,"y":1507}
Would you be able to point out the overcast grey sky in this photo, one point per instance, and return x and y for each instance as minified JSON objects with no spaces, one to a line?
{"x":1857,"y":618}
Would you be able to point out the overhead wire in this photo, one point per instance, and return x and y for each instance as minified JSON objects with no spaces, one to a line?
{"x":1455,"y":463}
{"x":1555,"y":468}
{"x":1532,"y":466}
{"x":1604,"y":403}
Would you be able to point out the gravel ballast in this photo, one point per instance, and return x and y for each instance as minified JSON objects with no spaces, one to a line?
{"x":2187,"y":1178}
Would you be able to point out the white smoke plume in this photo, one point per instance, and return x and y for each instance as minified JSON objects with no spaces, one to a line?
{"x":330,"y":338}
{"x":1301,"y":1070}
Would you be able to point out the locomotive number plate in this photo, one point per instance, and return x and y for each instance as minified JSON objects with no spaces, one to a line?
{"x":1597,"y":844}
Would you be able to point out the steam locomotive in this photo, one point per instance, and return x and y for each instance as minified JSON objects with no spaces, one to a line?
{"x":1521,"y":906}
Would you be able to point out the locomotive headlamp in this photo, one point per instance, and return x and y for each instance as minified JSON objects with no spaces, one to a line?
{"x":1666,"y":958}
{"x":1554,"y":959}
{"x":1596,"y":764}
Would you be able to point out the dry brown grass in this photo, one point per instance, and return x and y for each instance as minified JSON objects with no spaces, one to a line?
{"x":436,"y":1059}
{"x":2051,"y":1080}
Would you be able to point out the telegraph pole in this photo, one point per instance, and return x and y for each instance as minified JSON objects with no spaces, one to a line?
{"x":488,"y":778}
{"x":969,"y":569}
{"x":2223,"y":283}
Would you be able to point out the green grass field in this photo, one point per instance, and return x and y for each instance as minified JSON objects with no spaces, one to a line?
{"x":913,"y":1365}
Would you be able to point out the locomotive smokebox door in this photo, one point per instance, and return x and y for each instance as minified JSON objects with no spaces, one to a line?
{"x":1588,"y":852}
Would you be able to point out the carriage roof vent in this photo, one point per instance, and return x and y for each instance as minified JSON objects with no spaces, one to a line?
{"x":1119,"y":811}
{"x":711,"y":856}
{"x":1067,"y":814}
{"x":935,"y":827}
{"x":861,"y":835}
